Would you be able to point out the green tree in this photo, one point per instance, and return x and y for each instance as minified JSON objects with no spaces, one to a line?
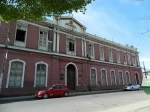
{"x":38,"y":9}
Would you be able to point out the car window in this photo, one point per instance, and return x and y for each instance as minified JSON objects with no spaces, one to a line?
{"x":129,"y":84}
{"x":61,"y":86}
{"x":55,"y":87}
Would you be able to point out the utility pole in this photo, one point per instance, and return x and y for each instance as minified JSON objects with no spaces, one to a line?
{"x":144,"y":70}
{"x":4,"y":58}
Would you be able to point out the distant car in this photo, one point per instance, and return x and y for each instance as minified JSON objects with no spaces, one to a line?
{"x":55,"y":90}
{"x":131,"y":87}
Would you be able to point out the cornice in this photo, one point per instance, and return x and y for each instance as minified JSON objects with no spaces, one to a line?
{"x":64,"y":55}
{"x":87,"y":36}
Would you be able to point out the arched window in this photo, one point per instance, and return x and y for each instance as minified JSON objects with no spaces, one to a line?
{"x":120,"y":78}
{"x":127,"y":78}
{"x":41,"y":75}
{"x":103,"y":75}
{"x":15,"y":74}
{"x":93,"y":77}
{"x":112,"y":76}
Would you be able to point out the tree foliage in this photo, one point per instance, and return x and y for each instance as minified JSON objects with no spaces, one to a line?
{"x":38,"y":9}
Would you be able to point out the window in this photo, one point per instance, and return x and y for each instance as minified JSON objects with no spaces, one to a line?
{"x":138,"y":62}
{"x":124,"y":58}
{"x":91,"y":50}
{"x":129,"y":59}
{"x":93,"y":77}
{"x":103,"y":75}
{"x":127,"y":78}
{"x":45,"y":40}
{"x":110,"y":55}
{"x":118,"y":56}
{"x":21,"y":35}
{"x":134,"y":60}
{"x":112,"y":78}
{"x":101,"y":53}
{"x":61,"y":86}
{"x":70,"y":46}
{"x":55,"y":87}
{"x":120,"y":78}
{"x":16,"y":74}
{"x":40,"y":75}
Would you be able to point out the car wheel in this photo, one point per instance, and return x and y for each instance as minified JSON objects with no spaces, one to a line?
{"x":65,"y":94}
{"x":139,"y":88}
{"x":45,"y":96}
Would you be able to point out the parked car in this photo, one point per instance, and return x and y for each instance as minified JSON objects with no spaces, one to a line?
{"x":131,"y":87}
{"x":55,"y":90}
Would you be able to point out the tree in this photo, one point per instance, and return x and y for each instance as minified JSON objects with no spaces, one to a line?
{"x":38,"y":9}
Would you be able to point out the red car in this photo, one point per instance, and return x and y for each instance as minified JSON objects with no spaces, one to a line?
{"x":55,"y":90}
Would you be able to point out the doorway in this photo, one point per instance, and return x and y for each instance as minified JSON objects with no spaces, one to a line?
{"x":71,"y":77}
{"x":136,"y":78}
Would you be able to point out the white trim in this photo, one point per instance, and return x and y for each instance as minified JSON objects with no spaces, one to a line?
{"x":85,"y":52}
{"x":54,"y":42}
{"x":138,"y":77}
{"x":110,"y":58}
{"x":102,"y":59}
{"x":124,"y":54}
{"x":44,"y":31}
{"x":134,"y":59}
{"x":23,"y":72}
{"x":82,"y":47}
{"x":138,"y":62}
{"x":95,"y":74}
{"x":122,"y":77}
{"x":15,"y":41}
{"x":114,"y":75}
{"x":87,"y":35}
{"x":106,"y":76}
{"x":71,"y":52}
{"x":93,"y":57}
{"x":26,"y":22}
{"x":129,"y":76}
{"x":129,"y":58}
{"x":36,"y":71}
{"x":58,"y":42}
{"x":65,"y":55}
{"x":118,"y":53}
{"x":66,"y":73}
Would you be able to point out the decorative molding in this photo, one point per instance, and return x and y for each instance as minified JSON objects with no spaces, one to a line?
{"x":65,"y":55}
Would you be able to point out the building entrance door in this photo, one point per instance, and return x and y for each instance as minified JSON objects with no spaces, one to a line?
{"x":71,"y":77}
{"x":136,"y":78}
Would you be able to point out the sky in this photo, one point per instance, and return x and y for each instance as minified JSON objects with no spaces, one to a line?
{"x":121,"y":21}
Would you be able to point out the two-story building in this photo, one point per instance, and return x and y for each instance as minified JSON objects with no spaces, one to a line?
{"x":41,"y":54}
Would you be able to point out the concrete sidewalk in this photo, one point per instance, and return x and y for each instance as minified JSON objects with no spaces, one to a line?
{"x":70,"y":94}
{"x":141,"y":106}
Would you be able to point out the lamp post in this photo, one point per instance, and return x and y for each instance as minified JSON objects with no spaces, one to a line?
{"x":4,"y":58}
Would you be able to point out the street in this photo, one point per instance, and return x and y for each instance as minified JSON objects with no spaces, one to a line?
{"x":86,"y":103}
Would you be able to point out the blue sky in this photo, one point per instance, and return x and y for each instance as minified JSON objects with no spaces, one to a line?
{"x":123,"y":21}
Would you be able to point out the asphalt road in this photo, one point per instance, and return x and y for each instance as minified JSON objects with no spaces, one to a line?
{"x":86,"y":103}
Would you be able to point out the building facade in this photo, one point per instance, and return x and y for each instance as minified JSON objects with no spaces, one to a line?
{"x":41,"y":54}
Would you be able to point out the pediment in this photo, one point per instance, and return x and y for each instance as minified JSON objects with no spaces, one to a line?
{"x":71,"y":23}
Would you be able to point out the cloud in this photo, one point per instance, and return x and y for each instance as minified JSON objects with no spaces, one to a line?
{"x":102,"y":24}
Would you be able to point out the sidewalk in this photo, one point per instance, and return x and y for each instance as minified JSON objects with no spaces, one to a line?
{"x":142,"y":106}
{"x":70,"y":94}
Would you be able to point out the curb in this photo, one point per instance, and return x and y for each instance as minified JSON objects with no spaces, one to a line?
{"x":70,"y":94}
